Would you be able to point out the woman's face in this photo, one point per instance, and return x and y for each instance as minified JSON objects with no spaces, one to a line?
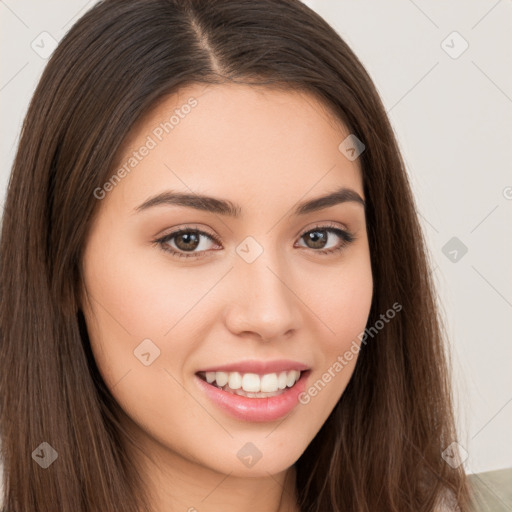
{"x":258,"y":292}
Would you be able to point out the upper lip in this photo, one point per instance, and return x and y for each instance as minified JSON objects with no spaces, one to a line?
{"x":258,"y":367}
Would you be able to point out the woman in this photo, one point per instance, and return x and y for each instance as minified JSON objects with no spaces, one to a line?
{"x":215,"y":289}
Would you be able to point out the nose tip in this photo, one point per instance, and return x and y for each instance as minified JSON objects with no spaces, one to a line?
{"x":264,"y":303}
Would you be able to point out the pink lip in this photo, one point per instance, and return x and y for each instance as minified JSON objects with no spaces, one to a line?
{"x":255,"y":409}
{"x":259,"y":367}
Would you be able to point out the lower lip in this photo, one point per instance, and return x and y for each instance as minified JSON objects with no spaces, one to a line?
{"x":256,"y":409}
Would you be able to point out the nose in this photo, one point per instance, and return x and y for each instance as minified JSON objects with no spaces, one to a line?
{"x":264,"y":302}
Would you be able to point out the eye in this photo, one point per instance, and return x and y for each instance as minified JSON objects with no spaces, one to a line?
{"x":318,"y":239}
{"x":195,"y":243}
{"x":187,"y":240}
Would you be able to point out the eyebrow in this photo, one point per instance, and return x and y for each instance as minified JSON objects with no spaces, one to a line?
{"x":228,"y":208}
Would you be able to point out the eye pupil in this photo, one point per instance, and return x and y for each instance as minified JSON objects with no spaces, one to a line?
{"x":191,"y":241}
{"x":318,"y":238}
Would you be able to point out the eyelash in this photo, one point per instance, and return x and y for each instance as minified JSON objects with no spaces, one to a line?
{"x":346,"y":237}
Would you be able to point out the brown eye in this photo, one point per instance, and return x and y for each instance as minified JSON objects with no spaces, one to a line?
{"x":318,"y":238}
{"x":184,"y":241}
{"x":187,"y":241}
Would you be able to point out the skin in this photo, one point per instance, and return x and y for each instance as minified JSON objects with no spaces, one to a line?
{"x":265,"y":150}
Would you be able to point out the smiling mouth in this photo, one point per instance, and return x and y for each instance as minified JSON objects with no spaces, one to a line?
{"x":252,"y":385}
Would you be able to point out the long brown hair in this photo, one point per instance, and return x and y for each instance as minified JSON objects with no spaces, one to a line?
{"x":380,"y":449}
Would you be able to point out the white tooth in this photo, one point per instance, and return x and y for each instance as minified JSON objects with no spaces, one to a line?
{"x":251,"y":382}
{"x":281,"y":380}
{"x":269,"y":383}
{"x":291,"y":378}
{"x":235,"y":380}
{"x":210,"y":377}
{"x":221,"y":378}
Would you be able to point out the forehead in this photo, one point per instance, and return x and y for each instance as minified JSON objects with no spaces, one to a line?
{"x":236,"y":140}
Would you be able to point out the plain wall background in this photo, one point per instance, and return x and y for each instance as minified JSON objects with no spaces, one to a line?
{"x":453,"y":118}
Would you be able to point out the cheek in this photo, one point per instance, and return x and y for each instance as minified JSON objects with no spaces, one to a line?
{"x":342,"y":301}
{"x":141,"y":311}
{"x":144,"y":294}
{"x":342,"y":305}
{"x":131,"y":323}
{"x":348,"y":310}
